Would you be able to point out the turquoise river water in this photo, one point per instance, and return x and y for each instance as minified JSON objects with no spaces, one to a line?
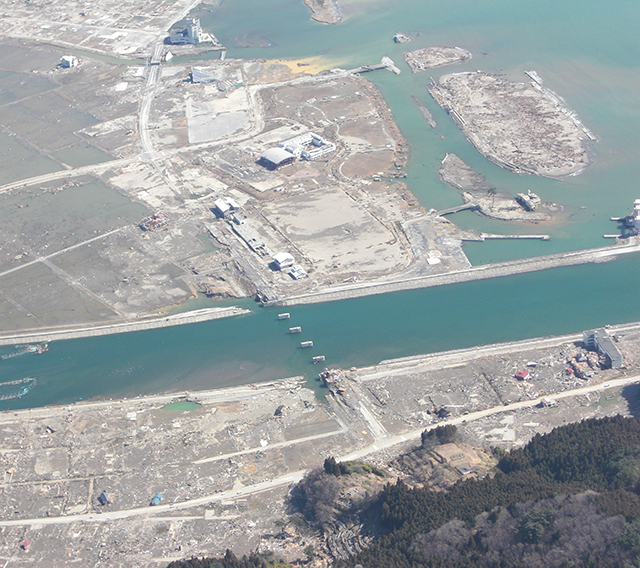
{"x":586,"y":52}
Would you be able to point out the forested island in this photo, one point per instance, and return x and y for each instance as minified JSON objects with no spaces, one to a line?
{"x":567,"y":498}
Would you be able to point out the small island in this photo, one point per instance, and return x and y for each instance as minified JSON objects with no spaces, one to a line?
{"x":324,"y":11}
{"x":523,"y":128}
{"x":432,"y":57}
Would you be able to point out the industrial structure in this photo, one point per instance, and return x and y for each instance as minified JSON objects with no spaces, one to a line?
{"x":225,"y":206}
{"x":283,"y":260}
{"x":308,"y":146}
{"x":274,"y":158}
{"x":599,"y":340}
{"x":191,"y":33}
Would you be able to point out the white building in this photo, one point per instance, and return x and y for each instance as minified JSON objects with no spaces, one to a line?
{"x":190,"y":34}
{"x":68,"y":61}
{"x":224,"y":206}
{"x":284,"y":260}
{"x":599,"y":340}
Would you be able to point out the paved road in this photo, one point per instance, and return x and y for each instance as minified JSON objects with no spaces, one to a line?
{"x":296,"y":476}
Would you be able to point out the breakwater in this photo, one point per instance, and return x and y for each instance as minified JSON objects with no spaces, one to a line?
{"x":482,"y":272}
{"x":94,"y":330}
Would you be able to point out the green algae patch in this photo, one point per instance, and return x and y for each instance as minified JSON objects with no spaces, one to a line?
{"x":184,"y":406}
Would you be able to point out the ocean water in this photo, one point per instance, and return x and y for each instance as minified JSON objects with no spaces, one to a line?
{"x":587,"y":53}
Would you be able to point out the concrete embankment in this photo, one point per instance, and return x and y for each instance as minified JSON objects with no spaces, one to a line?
{"x":476,"y":273}
{"x":458,"y":357}
{"x":74,"y":332}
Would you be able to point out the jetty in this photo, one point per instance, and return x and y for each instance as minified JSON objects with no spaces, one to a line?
{"x":385,"y":63}
{"x":139,"y":324}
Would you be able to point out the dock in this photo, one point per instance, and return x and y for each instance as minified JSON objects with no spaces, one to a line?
{"x":490,"y":236}
{"x":385,"y":63}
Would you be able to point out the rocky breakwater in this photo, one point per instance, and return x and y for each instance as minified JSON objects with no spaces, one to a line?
{"x":522,"y":128}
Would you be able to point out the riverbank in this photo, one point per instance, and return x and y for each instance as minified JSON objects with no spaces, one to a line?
{"x":95,"y":330}
{"x":481,"y":272}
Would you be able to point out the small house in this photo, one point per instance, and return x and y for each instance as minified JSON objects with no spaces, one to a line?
{"x":68,"y":61}
{"x":103,"y":499}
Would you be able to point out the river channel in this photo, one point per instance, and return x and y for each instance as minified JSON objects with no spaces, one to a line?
{"x":588,"y":54}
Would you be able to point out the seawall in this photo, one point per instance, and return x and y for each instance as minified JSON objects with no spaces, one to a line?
{"x":475,"y":273}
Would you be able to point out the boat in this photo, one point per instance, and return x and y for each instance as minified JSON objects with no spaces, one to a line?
{"x":25,"y":385}
{"x":318,"y":359}
{"x":306,"y":344}
{"x":284,"y":316}
{"x":295,"y":330}
{"x":21,"y":350}
{"x":24,"y":349}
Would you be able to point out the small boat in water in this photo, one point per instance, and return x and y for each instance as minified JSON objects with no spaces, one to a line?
{"x":295,"y":330}
{"x":284,"y":316}
{"x":318,"y":359}
{"x":306,"y":344}
{"x":24,"y":349}
{"x":22,"y":387}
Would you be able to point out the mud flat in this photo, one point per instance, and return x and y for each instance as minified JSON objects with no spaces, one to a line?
{"x":454,"y":172}
{"x":522,"y":128}
{"x":432,"y":57}
{"x":324,"y":11}
{"x":426,"y":114}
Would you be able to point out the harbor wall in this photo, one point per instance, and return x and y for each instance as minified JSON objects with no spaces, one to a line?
{"x":475,"y":273}
{"x":94,"y":330}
